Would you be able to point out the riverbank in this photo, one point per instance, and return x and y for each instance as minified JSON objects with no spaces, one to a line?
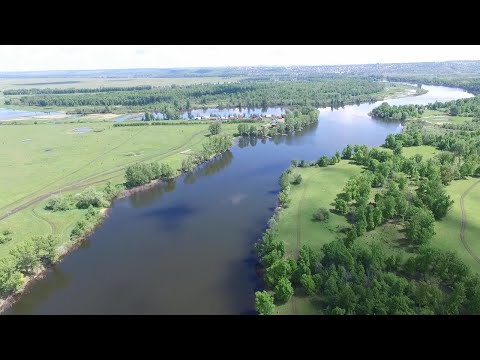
{"x":231,"y":200}
{"x":316,"y":217}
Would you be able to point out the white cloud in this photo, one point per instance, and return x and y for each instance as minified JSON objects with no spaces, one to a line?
{"x":78,"y":57}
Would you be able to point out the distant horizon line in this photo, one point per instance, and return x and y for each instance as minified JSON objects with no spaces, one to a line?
{"x":237,"y":66}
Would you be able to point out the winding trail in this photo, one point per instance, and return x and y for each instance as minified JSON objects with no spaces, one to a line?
{"x":464,"y":223}
{"x":53,"y":228}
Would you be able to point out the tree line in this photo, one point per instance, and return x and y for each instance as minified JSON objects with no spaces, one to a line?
{"x":35,"y":91}
{"x":174,"y":99}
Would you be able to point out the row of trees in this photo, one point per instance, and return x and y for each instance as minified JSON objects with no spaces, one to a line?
{"x":215,"y":145}
{"x":320,"y":92}
{"x":75,"y":90}
{"x":142,"y":173}
{"x":24,"y":260}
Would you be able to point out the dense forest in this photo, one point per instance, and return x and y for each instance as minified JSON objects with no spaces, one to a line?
{"x":174,"y":99}
{"x":75,"y":91}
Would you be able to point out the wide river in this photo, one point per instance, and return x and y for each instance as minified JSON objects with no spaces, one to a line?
{"x":187,"y":247}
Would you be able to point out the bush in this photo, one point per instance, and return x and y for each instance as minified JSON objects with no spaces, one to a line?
{"x":91,"y":197}
{"x":284,"y":199}
{"x":112,"y":191}
{"x":321,"y":214}
{"x":58,"y":203}
{"x":297,"y":179}
{"x":215,"y":128}
{"x":167,"y":171}
{"x":5,"y":237}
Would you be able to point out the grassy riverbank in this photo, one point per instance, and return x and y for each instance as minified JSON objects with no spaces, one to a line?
{"x":319,"y":187}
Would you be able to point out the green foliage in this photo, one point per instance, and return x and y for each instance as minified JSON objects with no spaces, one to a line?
{"x":323,"y":161}
{"x":91,"y":197}
{"x":264,"y":303}
{"x":112,"y":191}
{"x":59,"y":203}
{"x":46,"y":249}
{"x":78,"y":230}
{"x":283,"y":290}
{"x":421,"y":227}
{"x":308,"y":284}
{"x":26,"y":257}
{"x":215,"y":128}
{"x":5,"y":236}
{"x":297,"y":179}
{"x":167,"y":171}
{"x":11,"y":279}
{"x":279,"y":269}
{"x":321,"y":214}
{"x":140,"y":174}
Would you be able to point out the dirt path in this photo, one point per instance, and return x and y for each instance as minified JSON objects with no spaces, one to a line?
{"x":53,"y":228}
{"x":90,"y":179}
{"x":464,"y":223}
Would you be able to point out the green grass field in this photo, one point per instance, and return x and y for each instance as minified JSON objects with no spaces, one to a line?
{"x":63,"y":83}
{"x":437,"y":117}
{"x":44,"y":158}
{"x":448,"y":230}
{"x":318,"y":189}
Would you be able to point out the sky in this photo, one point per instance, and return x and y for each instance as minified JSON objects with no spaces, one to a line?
{"x":83,"y":57}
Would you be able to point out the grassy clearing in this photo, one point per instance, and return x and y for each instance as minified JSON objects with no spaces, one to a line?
{"x":448,"y":230}
{"x":53,"y":158}
{"x":318,"y":189}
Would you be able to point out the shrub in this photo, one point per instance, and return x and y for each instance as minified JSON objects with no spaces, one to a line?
{"x":91,"y":197}
{"x":321,"y":214}
{"x":297,"y":179}
{"x":58,"y":203}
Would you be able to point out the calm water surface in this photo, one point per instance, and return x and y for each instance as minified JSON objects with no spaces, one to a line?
{"x":187,"y":247}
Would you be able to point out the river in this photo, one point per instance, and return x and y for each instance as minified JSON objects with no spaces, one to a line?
{"x":187,"y":247}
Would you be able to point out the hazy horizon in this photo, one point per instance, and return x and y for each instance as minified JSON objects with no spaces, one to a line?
{"x":29,"y":58}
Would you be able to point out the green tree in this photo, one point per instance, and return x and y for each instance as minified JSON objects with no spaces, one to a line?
{"x":264,"y":303}
{"x":92,"y":197}
{"x":215,"y":128}
{"x":308,"y":284}
{"x":11,"y":279}
{"x":283,"y":290}
{"x":166,"y":171}
{"x":46,"y":249}
{"x":421,"y":227}
{"x":341,"y":206}
{"x":26,"y":257}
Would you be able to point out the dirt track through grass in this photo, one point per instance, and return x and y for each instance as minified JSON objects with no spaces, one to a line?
{"x":464,"y":223}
